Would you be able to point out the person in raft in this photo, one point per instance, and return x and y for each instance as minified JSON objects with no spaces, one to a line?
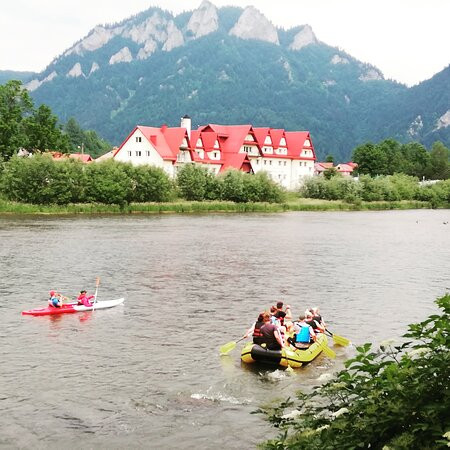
{"x":281,"y":314}
{"x":255,"y":330}
{"x":84,"y":299}
{"x":55,"y":299}
{"x":271,"y":334}
{"x":304,"y":334}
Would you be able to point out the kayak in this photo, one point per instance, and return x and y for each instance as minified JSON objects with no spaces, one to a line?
{"x":72,"y":308}
{"x":287,"y":357}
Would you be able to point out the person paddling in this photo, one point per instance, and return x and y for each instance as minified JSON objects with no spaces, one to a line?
{"x":55,"y":299}
{"x":304,"y":334}
{"x":84,"y":299}
{"x":255,"y":330}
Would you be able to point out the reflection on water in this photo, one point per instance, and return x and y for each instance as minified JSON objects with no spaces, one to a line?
{"x":148,"y":373}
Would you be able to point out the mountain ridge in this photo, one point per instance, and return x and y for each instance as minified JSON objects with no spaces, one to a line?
{"x":215,"y":65}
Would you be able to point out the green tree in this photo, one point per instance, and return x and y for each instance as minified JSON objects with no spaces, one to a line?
{"x":329,"y":159}
{"x":15,"y":104}
{"x":439,"y":168}
{"x":396,"y":397}
{"x":43,"y":131}
{"x":330,"y":173}
{"x":150,"y":184}
{"x":192,"y":181}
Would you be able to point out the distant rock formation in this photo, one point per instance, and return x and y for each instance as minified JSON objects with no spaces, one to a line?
{"x":123,"y":55}
{"x":204,"y":20}
{"x":371,"y":74}
{"x":443,"y":121}
{"x":34,"y":84}
{"x":336,"y":59}
{"x":75,"y":71}
{"x":303,"y":38}
{"x":254,"y":25}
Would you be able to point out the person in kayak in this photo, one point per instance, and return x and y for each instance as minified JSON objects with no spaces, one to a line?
{"x":84,"y":299}
{"x":55,"y":299}
{"x":255,"y":330}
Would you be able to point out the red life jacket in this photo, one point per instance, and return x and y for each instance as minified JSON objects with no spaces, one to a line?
{"x":257,"y":330}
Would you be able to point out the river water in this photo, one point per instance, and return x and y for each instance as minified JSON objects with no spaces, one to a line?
{"x":148,"y":374}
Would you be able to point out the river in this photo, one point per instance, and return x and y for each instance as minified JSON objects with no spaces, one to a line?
{"x":148,"y":374}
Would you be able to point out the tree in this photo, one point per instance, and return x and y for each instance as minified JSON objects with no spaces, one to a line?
{"x":330,"y":159}
{"x":43,"y":132}
{"x":15,"y":103}
{"x":191,"y":180}
{"x":439,"y":168}
{"x":396,"y":397}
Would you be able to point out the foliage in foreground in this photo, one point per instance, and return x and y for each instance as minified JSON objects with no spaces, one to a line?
{"x":394,"y":398}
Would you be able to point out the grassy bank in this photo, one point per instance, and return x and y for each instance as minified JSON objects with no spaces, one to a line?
{"x":292,"y":204}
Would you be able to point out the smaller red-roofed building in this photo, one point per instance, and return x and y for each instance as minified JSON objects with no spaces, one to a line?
{"x":320,"y":167}
{"x":346,"y":169}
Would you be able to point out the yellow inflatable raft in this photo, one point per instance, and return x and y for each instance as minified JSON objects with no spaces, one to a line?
{"x":287,"y":357}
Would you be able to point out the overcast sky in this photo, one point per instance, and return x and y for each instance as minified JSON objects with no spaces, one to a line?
{"x":408,"y":40}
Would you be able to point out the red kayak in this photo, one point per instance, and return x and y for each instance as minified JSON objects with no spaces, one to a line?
{"x":72,"y":308}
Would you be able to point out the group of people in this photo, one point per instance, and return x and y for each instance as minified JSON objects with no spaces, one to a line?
{"x":56,"y":299}
{"x":276,"y":329}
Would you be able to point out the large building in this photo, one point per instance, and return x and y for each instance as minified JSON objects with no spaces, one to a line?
{"x":287,"y":156}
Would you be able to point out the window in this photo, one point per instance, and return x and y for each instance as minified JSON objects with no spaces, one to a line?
{"x":284,"y":162}
{"x":279,"y":163}
{"x":129,"y":152}
{"x":138,"y":139}
{"x":265,"y":162}
{"x":138,"y":153}
{"x":270,"y":163}
{"x":257,"y":161}
{"x":147,"y":152}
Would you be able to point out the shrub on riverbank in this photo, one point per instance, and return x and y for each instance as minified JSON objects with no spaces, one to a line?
{"x":395,"y":397}
{"x":392,"y":188}
{"x":197,"y":183}
{"x":41,"y":180}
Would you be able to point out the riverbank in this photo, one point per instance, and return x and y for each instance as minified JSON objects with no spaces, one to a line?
{"x":179,"y":206}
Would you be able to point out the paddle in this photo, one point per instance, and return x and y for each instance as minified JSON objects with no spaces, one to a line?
{"x":225,"y":349}
{"x":97,"y":282}
{"x":327,"y":350}
{"x":339,"y":340}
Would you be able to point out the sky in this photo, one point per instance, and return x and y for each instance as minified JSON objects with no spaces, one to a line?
{"x":408,"y":40}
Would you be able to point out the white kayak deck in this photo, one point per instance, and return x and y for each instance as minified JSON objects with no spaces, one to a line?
{"x":99,"y":305}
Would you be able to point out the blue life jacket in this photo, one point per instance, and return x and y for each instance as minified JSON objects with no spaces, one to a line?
{"x":303,"y":335}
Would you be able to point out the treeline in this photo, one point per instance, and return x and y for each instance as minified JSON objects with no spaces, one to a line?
{"x":383,"y":188}
{"x":42,"y":180}
{"x":38,"y":129}
{"x":389,"y":157}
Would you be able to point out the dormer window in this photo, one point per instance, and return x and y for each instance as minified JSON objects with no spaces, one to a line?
{"x":138,"y":139}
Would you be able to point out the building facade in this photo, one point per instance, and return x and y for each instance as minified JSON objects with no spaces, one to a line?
{"x":287,"y":156}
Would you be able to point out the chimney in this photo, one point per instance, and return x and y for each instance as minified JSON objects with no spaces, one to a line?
{"x":186,"y":123}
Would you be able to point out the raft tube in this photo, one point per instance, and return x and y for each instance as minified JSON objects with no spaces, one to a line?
{"x":287,"y":357}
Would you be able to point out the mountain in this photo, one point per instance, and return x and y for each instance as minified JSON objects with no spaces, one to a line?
{"x":232,"y":66}
{"x":25,"y":77}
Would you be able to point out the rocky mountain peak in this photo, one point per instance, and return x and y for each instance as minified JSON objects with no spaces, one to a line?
{"x":252,"y":24}
{"x":204,"y":20}
{"x":303,"y":38}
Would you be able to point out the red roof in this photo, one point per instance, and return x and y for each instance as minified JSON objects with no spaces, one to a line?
{"x":165,"y":140}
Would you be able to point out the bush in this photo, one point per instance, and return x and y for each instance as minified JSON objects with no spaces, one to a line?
{"x":41,"y":180}
{"x":396,"y":397}
{"x":150,"y":184}
{"x":108,"y":182}
{"x":192,"y":181}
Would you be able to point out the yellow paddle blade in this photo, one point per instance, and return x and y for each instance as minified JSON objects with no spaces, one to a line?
{"x":227,"y":347}
{"x":327,"y":350}
{"x":340,"y":340}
